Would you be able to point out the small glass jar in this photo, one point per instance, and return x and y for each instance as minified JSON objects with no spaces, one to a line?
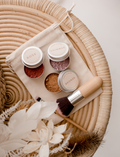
{"x":68,"y":81}
{"x":58,"y":54}
{"x":32,"y":58}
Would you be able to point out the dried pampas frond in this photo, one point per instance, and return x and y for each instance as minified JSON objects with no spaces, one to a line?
{"x":5,"y":116}
{"x":8,"y":112}
{"x":61,"y":147}
{"x":26,"y":104}
{"x":83,"y":143}
{"x":18,"y":152}
{"x":18,"y":106}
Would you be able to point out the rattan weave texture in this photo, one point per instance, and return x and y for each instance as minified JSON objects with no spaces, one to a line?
{"x":20,"y":20}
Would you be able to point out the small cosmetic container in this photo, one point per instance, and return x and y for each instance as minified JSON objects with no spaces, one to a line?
{"x":58,"y":54}
{"x":68,"y":81}
{"x":32,"y":58}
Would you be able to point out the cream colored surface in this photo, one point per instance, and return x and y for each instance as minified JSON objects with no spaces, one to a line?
{"x":21,"y":21}
{"x":102,"y":17}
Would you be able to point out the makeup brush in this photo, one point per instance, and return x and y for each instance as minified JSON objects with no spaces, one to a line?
{"x":66,"y":104}
{"x":67,"y":119}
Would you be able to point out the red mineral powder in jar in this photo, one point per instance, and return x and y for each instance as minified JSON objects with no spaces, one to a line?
{"x":34,"y":72}
{"x":32,"y":58}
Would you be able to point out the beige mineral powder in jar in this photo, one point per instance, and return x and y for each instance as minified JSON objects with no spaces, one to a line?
{"x":58,"y":54}
{"x":51,"y":83}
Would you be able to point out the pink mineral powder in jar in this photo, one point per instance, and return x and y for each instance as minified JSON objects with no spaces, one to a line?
{"x":58,"y":54}
{"x":61,"y":65}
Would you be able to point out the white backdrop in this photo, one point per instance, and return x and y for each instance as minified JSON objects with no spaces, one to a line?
{"x":102,"y":17}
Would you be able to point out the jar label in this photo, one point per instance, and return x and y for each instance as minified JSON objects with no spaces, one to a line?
{"x":57,"y":49}
{"x":32,"y":56}
{"x":70,"y":81}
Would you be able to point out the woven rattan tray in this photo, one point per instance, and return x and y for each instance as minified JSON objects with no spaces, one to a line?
{"x":20,"y":20}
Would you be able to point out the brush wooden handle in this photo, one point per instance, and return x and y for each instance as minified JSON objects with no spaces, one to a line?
{"x":72,"y":122}
{"x":91,"y":86}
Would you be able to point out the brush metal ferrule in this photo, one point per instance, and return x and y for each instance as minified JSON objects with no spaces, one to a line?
{"x":75,"y":97}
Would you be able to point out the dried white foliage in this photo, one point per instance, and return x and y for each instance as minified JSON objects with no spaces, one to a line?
{"x":27,"y":133}
{"x":8,"y":112}
{"x":16,"y":153}
{"x":62,"y":146}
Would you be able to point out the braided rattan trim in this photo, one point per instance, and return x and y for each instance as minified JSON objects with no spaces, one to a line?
{"x":23,"y":19}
